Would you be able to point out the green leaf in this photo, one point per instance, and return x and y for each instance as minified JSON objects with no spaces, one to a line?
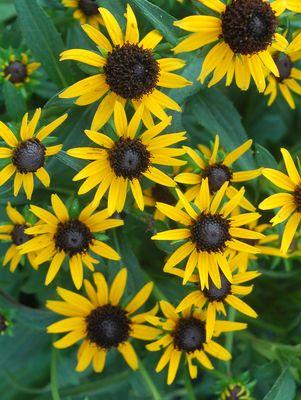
{"x":264,"y":158}
{"x":43,"y":39}
{"x":283,"y":388}
{"x":14,"y":101}
{"x":159,"y":18}
{"x":7,"y":10}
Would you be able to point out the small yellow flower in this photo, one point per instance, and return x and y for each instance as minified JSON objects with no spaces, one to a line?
{"x":58,"y":236}
{"x":18,"y":69}
{"x":86,"y":11}
{"x":185,"y":333}
{"x":290,"y":203}
{"x":15,"y":233}
{"x":101,"y":322}
{"x":128,"y":71}
{"x":26,"y":154}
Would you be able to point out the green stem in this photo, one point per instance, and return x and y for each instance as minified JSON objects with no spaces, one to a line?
{"x":230,"y":338}
{"x":148,"y":380}
{"x":189,"y":388}
{"x":53,"y":376}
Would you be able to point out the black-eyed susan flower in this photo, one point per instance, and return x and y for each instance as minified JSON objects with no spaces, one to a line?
{"x":102,"y":322}
{"x":14,"y":233}
{"x":216,"y":300}
{"x":236,"y":391}
{"x":17,"y":67}
{"x":209,"y":233}
{"x":243,"y":31}
{"x":158,"y":193}
{"x":25,"y":157}
{"x":289,"y":203}
{"x":85,"y":11}
{"x":289,"y":74}
{"x":127,"y":71}
{"x":59,"y":237}
{"x":122,"y":161}
{"x":185,"y":333}
{"x":217,"y":167}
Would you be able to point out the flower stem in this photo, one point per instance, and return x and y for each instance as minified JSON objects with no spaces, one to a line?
{"x":148,"y":380}
{"x":230,"y":338}
{"x":53,"y":375}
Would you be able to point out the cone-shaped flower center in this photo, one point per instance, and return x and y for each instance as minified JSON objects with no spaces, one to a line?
{"x":297,"y":197}
{"x":248,"y":26}
{"x":189,"y":334}
{"x":129,"y":158}
{"x":108,"y":326}
{"x":215,"y":294}
{"x":19,"y":236}
{"x":16,"y":71}
{"x":73,"y":237}
{"x":210,"y":232}
{"x":131,"y":71}
{"x":284,"y":65}
{"x":29,"y":156}
{"x":88,"y":7}
{"x":217,"y":175}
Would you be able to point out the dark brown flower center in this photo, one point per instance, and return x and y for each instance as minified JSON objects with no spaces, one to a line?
{"x":131,"y":71}
{"x":248,"y":26}
{"x":297,"y":197}
{"x":3,"y":324}
{"x":217,"y":175}
{"x":189,"y":334}
{"x":108,"y":326}
{"x":210,"y":232}
{"x":162,"y":194}
{"x":19,"y":236}
{"x":215,"y":294}
{"x":284,"y":65}
{"x":29,"y":156}
{"x":88,"y":7}
{"x":73,"y":237}
{"x":16,"y":71}
{"x":129,"y":158}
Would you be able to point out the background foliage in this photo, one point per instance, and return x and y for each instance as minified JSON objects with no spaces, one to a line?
{"x":270,"y":350}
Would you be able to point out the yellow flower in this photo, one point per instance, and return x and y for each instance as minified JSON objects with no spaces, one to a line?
{"x":86,"y":11}
{"x":216,"y":300}
{"x":186,"y":333}
{"x":26,"y":154}
{"x":218,"y":169}
{"x":122,"y":161}
{"x":158,"y":193}
{"x":245,"y":31}
{"x":127,"y":71}
{"x":290,"y":203}
{"x":18,"y":69}
{"x":209,"y":232}
{"x":101,"y":322}
{"x":58,"y":236}
{"x":288,"y":73}
{"x":15,"y":233}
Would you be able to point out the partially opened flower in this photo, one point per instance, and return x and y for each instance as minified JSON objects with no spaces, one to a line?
{"x":289,"y":203}
{"x":218,"y":168}
{"x":209,"y":233}
{"x":185,"y":334}
{"x":59,"y":236}
{"x":101,"y":321}
{"x":289,"y":74}
{"x":26,"y":155}
{"x":127,"y":71}
{"x":14,"y":233}
{"x":243,"y":32}
{"x":236,"y":391}
{"x":122,"y":161}
{"x":86,"y":11}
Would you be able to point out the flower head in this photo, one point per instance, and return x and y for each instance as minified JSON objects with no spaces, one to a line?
{"x":85,"y":11}
{"x":126,"y":71}
{"x":59,"y":236}
{"x":101,"y":321}
{"x":185,"y":334}
{"x":124,"y":160}
{"x":26,"y":153}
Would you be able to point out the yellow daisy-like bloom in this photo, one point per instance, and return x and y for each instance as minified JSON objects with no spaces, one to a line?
{"x":26,"y":154}
{"x":288,"y":73}
{"x":58,"y":236}
{"x":101,"y":322}
{"x":158,"y":193}
{"x":86,"y":11}
{"x":15,"y":233}
{"x":18,"y":70}
{"x":185,"y":333}
{"x":290,"y":203}
{"x":216,"y":300}
{"x":127,"y":71}
{"x":218,"y":169}
{"x":122,"y":161}
{"x":209,"y":232}
{"x":245,"y":31}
